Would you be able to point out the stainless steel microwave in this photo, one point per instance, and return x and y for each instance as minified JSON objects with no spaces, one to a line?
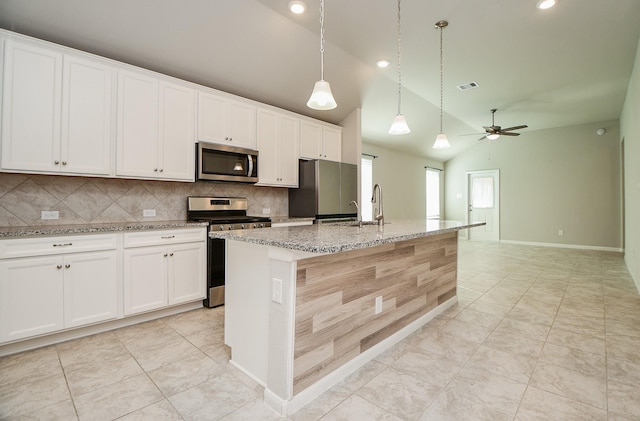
{"x":226,"y":163}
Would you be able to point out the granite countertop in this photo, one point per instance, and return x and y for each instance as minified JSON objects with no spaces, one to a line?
{"x":46,"y":230}
{"x":283,"y":219}
{"x":333,"y":238}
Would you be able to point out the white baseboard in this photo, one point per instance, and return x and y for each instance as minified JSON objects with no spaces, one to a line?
{"x":565,"y":246}
{"x":287,"y":407}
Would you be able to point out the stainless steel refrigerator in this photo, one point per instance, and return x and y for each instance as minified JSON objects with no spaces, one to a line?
{"x":326,"y":190}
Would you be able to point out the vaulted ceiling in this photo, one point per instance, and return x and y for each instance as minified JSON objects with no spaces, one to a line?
{"x":544,"y":68}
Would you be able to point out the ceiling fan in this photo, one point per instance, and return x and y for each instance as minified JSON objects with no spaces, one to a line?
{"x":493,"y":132}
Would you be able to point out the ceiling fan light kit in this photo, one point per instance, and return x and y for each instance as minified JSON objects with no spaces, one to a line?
{"x":441,"y":139}
{"x":399,"y":124}
{"x":493,"y":132}
{"x":321,"y":97}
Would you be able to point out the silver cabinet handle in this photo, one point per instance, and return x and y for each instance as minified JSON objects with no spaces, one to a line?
{"x":171,"y":254}
{"x":166,"y":237}
{"x":56,"y":162}
{"x":165,"y":255}
{"x":59,"y":267}
{"x":155,"y":170}
{"x":64,"y":162}
{"x":161,"y":170}
{"x":62,"y":244}
{"x":67,"y":266}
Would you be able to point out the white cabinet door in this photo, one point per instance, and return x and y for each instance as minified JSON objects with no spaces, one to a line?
{"x":187,"y":272}
{"x":222,"y":120}
{"x":31,"y":108}
{"x":268,"y":147}
{"x":86,"y":117}
{"x":90,"y":288}
{"x":289,"y":143}
{"x":138,"y":125}
{"x":310,"y":140}
{"x":241,"y":120}
{"x":332,"y":144}
{"x":177,"y":135}
{"x":31,"y":294}
{"x":145,"y":279}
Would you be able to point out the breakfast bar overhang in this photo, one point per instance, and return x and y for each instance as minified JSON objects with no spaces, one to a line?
{"x":306,"y":306}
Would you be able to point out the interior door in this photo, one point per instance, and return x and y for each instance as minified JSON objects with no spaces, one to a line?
{"x":483,"y":199}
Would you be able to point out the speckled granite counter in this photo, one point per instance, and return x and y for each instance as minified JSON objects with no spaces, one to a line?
{"x":35,"y":231}
{"x":334,"y":238}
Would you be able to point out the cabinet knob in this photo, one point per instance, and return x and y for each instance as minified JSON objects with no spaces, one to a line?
{"x":56,"y":162}
{"x":59,"y":267}
{"x":64,"y":162}
{"x":171,"y":254}
{"x":227,"y":138}
{"x":67,"y":266}
{"x":155,"y":170}
{"x":161,"y":170}
{"x":165,"y":255}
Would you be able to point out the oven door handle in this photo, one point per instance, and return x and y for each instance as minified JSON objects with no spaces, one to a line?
{"x":250,"y":165}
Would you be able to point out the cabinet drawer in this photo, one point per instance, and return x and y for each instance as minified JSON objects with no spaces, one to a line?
{"x":151,"y":238}
{"x":24,"y":247}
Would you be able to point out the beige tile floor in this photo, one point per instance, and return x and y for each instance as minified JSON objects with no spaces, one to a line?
{"x":538,"y":334}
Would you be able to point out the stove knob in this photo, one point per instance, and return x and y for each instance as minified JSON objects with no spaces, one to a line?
{"x":221,"y":228}
{"x":261,"y":225}
{"x":230,"y":227}
{"x":242,"y":226}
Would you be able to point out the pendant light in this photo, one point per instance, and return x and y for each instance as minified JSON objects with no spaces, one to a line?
{"x":399,"y":124}
{"x":321,"y":97}
{"x":441,"y":140}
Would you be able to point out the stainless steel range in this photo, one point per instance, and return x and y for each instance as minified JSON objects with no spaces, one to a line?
{"x":222,"y":214}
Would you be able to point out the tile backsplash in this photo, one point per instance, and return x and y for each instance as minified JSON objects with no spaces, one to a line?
{"x":83,"y":200}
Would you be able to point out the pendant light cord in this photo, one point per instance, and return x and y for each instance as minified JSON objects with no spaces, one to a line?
{"x":441,"y":79}
{"x":321,"y":39}
{"x":399,"y":57}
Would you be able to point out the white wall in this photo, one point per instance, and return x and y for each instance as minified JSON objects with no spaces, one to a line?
{"x":630,"y":132}
{"x":403,"y":182}
{"x":566,"y":178}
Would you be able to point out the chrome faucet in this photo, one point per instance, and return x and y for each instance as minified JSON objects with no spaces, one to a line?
{"x":379,"y":215}
{"x":354,"y":203}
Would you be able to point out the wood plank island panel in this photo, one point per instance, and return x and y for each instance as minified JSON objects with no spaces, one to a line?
{"x":335,"y":299}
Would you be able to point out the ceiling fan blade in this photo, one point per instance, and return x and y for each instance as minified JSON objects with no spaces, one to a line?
{"x":508,"y":129}
{"x":492,"y":128}
{"x":483,"y":138}
{"x":509,"y":134}
{"x":470,"y":134}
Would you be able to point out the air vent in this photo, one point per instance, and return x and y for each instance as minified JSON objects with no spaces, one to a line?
{"x":467,"y":86}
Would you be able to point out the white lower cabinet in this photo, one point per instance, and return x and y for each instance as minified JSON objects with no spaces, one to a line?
{"x":163,"y":268}
{"x":50,"y":284}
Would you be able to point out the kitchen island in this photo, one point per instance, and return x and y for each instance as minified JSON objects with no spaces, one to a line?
{"x":305,"y":306}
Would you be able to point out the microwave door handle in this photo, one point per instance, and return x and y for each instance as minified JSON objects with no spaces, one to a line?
{"x":250,"y":166}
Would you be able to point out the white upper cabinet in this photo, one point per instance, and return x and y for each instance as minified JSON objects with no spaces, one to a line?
{"x":278,"y":136}
{"x":226,"y":121}
{"x":57,"y":112}
{"x":155,"y":137}
{"x":319,"y":141}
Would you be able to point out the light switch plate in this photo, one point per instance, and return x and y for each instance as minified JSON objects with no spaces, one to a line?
{"x":276,"y":290}
{"x":266,"y":211}
{"x":148,"y":212}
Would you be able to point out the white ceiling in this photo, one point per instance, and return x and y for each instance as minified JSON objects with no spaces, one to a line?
{"x":563,"y":66}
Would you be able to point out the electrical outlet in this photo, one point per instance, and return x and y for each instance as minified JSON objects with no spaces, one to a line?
{"x":148,"y":213}
{"x":276,"y":290}
{"x":560,"y":233}
{"x":49,"y":215}
{"x":266,"y":211}
{"x":378,"y":304}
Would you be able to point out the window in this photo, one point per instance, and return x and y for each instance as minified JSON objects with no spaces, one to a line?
{"x":366,"y":189}
{"x":482,"y":192}
{"x":433,"y":193}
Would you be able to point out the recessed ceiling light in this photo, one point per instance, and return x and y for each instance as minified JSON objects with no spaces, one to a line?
{"x":382,"y":63}
{"x":545,"y":4}
{"x":297,"y":7}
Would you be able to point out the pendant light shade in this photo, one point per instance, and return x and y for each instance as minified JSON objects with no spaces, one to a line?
{"x":321,"y":97}
{"x":441,"y":140}
{"x":399,"y":124}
